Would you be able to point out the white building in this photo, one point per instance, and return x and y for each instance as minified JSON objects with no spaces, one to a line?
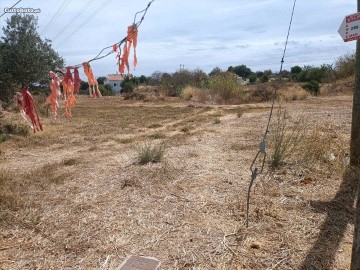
{"x":114,"y":80}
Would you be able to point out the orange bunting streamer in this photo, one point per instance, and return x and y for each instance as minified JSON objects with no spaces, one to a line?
{"x":27,"y":109}
{"x":77,"y":81}
{"x":131,"y":40}
{"x":55,"y":93}
{"x":68,"y":88}
{"x":93,"y":83}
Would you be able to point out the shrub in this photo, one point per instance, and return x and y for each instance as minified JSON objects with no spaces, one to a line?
{"x":293,"y":93}
{"x":150,"y":154}
{"x":345,"y":66}
{"x":312,"y":87}
{"x":13,"y":129}
{"x":262,"y":92}
{"x":106,"y":90}
{"x":195,"y":94}
{"x":225,"y":88}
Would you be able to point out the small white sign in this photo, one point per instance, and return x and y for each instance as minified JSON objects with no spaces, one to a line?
{"x":350,"y":27}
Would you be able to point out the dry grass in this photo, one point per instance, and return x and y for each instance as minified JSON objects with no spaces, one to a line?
{"x":191,"y":93}
{"x":74,"y":196}
{"x":293,"y":93}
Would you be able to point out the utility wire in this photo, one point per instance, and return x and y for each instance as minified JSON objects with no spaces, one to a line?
{"x":262,"y":147}
{"x":11,"y":8}
{"x":89,"y":18}
{"x":74,"y":19}
{"x":57,"y":14}
{"x":118,"y":44}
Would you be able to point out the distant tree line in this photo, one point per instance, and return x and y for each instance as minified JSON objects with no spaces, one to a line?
{"x":311,"y":76}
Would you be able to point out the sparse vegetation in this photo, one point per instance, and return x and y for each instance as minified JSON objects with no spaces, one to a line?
{"x":9,"y":129}
{"x":157,"y":135}
{"x":148,"y":153}
{"x":154,"y":125}
{"x":285,"y":138}
{"x":126,"y":140}
{"x":312,"y":87}
{"x":69,"y":161}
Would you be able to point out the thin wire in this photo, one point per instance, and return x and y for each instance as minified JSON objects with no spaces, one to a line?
{"x":57,"y":14}
{"x":74,"y":19}
{"x":92,"y":15}
{"x":11,"y":7}
{"x":118,"y":44}
{"x":281,"y":68}
{"x":262,"y":147}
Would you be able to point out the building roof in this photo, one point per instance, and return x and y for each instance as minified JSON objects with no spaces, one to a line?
{"x":115,"y":77}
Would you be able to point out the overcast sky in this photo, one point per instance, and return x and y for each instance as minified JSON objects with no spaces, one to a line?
{"x":195,"y":33}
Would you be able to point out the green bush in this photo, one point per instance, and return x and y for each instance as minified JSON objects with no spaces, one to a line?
{"x":312,"y":87}
{"x":106,"y":90}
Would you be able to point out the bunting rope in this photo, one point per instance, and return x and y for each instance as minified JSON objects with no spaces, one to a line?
{"x":118,"y":44}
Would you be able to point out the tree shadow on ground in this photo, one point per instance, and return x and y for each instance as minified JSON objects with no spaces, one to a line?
{"x":340,"y":212}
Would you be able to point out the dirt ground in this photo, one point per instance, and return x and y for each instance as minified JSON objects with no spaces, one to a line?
{"x":75,"y":197}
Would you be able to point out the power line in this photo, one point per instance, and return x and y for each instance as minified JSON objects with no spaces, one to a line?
{"x":74,"y":19}
{"x":60,"y":10}
{"x":98,"y":57}
{"x":11,"y":8}
{"x":92,"y":15}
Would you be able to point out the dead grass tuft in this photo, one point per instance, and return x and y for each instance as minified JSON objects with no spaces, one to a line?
{"x":191,"y":93}
{"x":293,"y":93}
{"x":157,"y":136}
{"x":70,"y":161}
{"x":148,"y":153}
{"x":154,"y":125}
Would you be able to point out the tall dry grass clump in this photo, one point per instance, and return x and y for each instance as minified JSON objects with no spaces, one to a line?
{"x":293,"y":93}
{"x":150,"y":153}
{"x":191,"y":93}
{"x":286,"y":138}
{"x":310,"y":145}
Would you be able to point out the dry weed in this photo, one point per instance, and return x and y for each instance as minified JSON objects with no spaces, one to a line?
{"x":195,"y":94}
{"x":293,"y":93}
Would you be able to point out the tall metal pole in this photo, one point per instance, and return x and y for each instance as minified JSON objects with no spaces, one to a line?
{"x":355,"y":155}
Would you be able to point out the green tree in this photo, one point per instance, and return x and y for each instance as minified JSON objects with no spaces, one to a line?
{"x":252,"y":78}
{"x":268,"y":73}
{"x":25,"y":58}
{"x":217,"y":71}
{"x":101,"y":80}
{"x":295,"y":72}
{"x":143,"y":80}
{"x":242,"y":71}
{"x":264,"y":79}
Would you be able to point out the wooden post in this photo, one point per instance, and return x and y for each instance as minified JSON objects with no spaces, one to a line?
{"x":355,"y":156}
